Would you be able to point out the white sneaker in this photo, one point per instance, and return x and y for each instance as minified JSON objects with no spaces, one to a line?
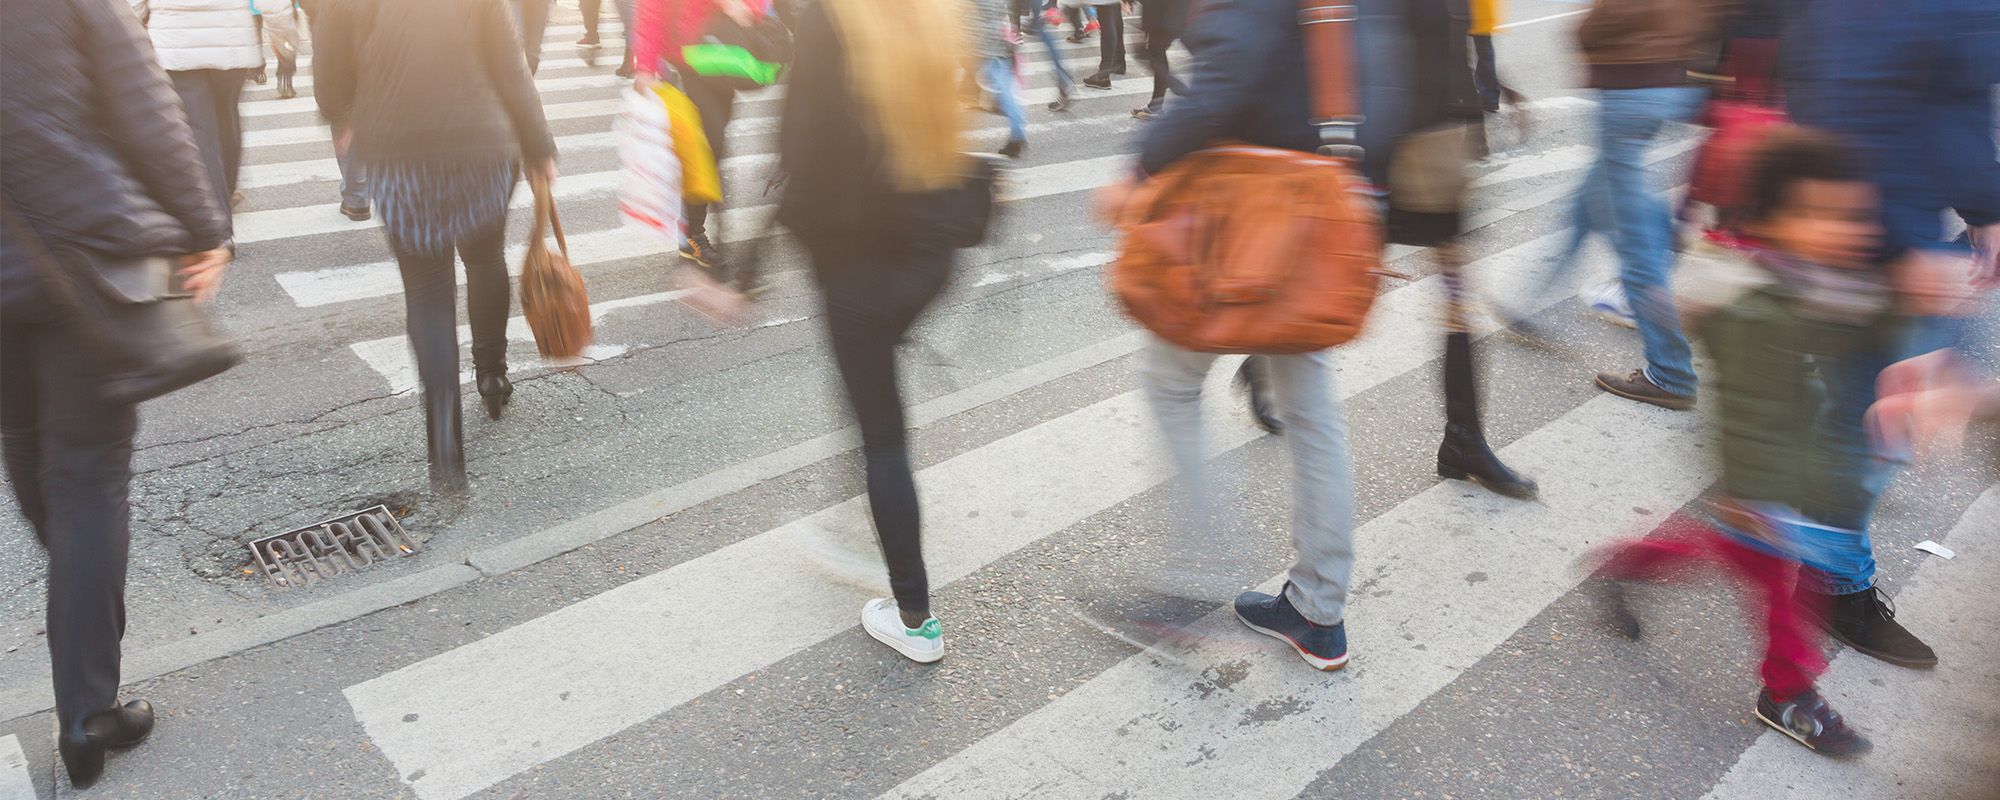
{"x":1608,"y":300}
{"x":884,"y":621}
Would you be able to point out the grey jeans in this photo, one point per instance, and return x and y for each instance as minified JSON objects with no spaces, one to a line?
{"x":1316,"y":438}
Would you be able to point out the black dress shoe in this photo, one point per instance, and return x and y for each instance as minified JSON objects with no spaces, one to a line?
{"x":117,"y":728}
{"x":495,"y":389}
{"x":1101,"y":80}
{"x":1866,"y":621}
{"x":357,"y":214}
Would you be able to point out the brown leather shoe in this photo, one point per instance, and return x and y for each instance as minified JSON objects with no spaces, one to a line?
{"x":1635,"y":385}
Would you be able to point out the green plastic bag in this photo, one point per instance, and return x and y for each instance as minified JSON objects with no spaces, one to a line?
{"x":730,"y":61}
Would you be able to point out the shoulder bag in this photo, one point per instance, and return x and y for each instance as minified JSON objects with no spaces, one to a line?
{"x":1239,"y":248}
{"x":153,"y":340}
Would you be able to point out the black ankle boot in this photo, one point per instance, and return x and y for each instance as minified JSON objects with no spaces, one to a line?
{"x":495,"y":389}
{"x":83,"y":745}
{"x":1866,"y":621}
{"x":1464,"y":454}
{"x":445,"y":434}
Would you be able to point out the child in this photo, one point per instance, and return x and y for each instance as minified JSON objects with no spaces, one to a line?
{"x":1812,"y":231}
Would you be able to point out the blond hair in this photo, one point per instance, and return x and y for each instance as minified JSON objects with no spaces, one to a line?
{"x":907,"y":83}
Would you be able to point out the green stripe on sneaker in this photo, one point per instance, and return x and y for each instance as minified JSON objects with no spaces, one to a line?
{"x":930,"y":630}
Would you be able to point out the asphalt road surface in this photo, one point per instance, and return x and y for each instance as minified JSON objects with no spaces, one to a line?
{"x":652,"y":591}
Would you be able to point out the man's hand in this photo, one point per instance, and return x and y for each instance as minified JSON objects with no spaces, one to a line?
{"x":1110,"y":200}
{"x":547,"y":169}
{"x":1927,"y":403}
{"x":201,"y":273}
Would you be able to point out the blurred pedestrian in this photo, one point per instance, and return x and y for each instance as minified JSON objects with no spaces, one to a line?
{"x":869,"y":130}
{"x":1253,"y":88}
{"x":95,"y":153}
{"x":532,"y":19}
{"x":991,"y":62}
{"x":1111,"y":49}
{"x":1811,"y":226}
{"x":1913,"y":85}
{"x":1163,"y":23}
{"x":208,"y":48}
{"x":444,"y":117}
{"x":592,"y":10}
{"x":1638,"y":53}
{"x":353,"y":179}
{"x":1039,"y":25}
{"x":743,"y":47}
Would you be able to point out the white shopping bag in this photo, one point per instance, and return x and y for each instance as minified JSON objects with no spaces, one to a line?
{"x":649,"y":190}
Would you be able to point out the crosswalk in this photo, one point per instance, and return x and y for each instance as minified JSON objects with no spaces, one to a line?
{"x":1446,"y":575}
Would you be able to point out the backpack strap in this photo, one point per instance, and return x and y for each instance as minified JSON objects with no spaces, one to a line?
{"x":1329,"y":44}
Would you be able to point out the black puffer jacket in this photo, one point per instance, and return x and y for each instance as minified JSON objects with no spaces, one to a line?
{"x":435,"y":80}
{"x":94,"y":148}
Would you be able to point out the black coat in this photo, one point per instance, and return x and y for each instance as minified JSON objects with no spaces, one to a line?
{"x":435,"y":80}
{"x":94,"y":147}
{"x":837,"y":187}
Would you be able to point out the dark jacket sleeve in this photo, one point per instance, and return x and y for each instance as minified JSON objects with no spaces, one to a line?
{"x":143,"y":120}
{"x":507,"y":68}
{"x":1233,"y":67}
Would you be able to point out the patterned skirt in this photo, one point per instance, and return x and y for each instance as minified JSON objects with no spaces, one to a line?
{"x":428,"y":207}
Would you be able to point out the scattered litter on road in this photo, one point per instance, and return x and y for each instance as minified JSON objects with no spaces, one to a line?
{"x":1935,"y":549}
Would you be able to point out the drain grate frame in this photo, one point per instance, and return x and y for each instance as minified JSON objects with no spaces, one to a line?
{"x":334,"y":547}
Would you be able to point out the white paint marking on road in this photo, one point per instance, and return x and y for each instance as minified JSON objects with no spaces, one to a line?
{"x":610,"y":55}
{"x":391,"y":357}
{"x":15,"y":781}
{"x":628,"y":654}
{"x":380,"y":279}
{"x":307,"y":104}
{"x":1537,"y":20}
{"x":311,"y":134}
{"x":1453,"y":572}
{"x":1936,"y":732}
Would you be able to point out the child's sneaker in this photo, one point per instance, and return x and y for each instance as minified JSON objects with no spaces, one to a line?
{"x":923,"y":644}
{"x":1810,"y":720}
{"x":1608,"y":300}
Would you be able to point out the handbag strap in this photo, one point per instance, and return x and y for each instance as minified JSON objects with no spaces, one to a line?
{"x":545,"y":213}
{"x":1329,"y":43}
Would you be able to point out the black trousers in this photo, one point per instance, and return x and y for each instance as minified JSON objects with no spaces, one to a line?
{"x":1164,"y":22}
{"x":874,"y":292}
{"x":430,"y":296}
{"x":1111,"y":35}
{"x":210,"y":97}
{"x":69,"y":456}
{"x":716,"y":104}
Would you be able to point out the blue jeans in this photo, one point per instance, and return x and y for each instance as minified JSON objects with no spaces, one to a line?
{"x":1000,"y":76}
{"x":1048,"y":37}
{"x":1641,"y":224}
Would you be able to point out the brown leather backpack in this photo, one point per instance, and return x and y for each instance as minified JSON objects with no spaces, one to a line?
{"x":1239,"y":248}
{"x":552,"y":294}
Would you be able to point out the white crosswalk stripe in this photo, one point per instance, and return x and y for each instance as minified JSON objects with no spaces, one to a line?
{"x":15,"y":783}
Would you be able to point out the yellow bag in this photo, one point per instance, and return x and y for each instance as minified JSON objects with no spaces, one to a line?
{"x":699,"y":181}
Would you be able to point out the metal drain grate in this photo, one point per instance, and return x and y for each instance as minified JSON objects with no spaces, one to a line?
{"x":337,"y":546}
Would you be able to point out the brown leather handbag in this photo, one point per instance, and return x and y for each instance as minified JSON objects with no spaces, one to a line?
{"x":552,"y":294}
{"x":1239,"y":248}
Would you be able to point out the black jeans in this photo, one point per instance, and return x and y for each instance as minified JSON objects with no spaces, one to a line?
{"x":210,"y":96}
{"x":1485,"y":73}
{"x":1111,"y":32}
{"x":716,"y":103}
{"x":430,"y":295}
{"x":69,"y":456}
{"x":1163,"y":23}
{"x":873,"y":294}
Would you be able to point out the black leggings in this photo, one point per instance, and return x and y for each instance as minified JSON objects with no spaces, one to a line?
{"x":873,"y":293}
{"x":1163,"y":23}
{"x":715,"y":103}
{"x":430,"y":295}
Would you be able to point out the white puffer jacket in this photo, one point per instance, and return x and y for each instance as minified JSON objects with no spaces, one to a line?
{"x":209,"y":34}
